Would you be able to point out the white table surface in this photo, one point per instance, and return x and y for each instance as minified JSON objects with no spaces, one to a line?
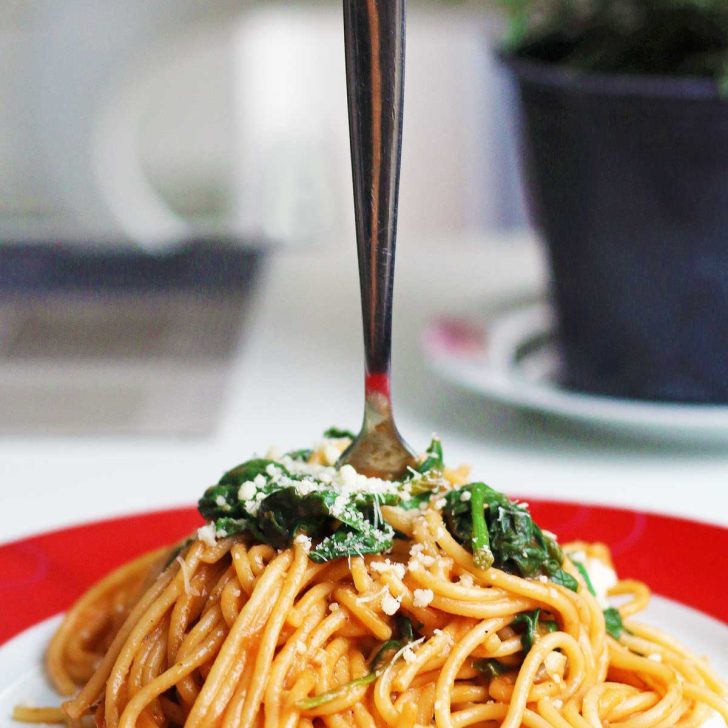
{"x":299,"y":370}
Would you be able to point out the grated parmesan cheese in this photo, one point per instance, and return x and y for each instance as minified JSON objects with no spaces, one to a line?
{"x":330,"y":453}
{"x":409,"y":655}
{"x":422,"y":597}
{"x":390,"y":605}
{"x":304,"y":540}
{"x":206,"y":534}
{"x":382,"y":566}
{"x":247,"y":491}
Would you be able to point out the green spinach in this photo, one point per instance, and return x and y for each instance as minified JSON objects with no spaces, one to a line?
{"x":613,"y":622}
{"x":275,"y":512}
{"x":274,"y":501}
{"x":612,"y":617}
{"x":490,"y":667}
{"x":533,"y":627}
{"x":337,"y":433}
{"x":585,"y":575}
{"x":433,"y":458}
{"x":502,"y":533}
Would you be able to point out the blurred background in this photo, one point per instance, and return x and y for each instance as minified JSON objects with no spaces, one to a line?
{"x":178,"y":275}
{"x":152,"y":153}
{"x":164,"y":164}
{"x":147,"y":122}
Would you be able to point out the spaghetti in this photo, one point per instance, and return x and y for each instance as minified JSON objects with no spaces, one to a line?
{"x":236,"y":633}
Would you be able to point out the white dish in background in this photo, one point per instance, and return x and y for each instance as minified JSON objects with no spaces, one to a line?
{"x":23,"y":681}
{"x":510,"y":356}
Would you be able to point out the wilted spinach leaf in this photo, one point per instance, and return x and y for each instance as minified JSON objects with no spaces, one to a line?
{"x":336,"y":433}
{"x":533,"y":627}
{"x":433,"y":457}
{"x":585,"y":575}
{"x":275,"y":503}
{"x":490,"y":667}
{"x":517,"y":545}
{"x":348,"y":541}
{"x":275,"y":512}
{"x":247,"y":471}
{"x":613,"y":622}
{"x":612,"y":617}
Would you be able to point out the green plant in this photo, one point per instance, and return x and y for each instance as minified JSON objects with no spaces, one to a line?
{"x":660,"y":37}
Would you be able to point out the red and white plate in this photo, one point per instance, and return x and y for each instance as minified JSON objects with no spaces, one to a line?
{"x":683,"y":562}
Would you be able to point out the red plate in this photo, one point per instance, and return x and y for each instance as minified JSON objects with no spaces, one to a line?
{"x":678,"y":558}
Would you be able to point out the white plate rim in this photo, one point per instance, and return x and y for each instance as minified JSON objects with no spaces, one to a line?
{"x":495,"y":381}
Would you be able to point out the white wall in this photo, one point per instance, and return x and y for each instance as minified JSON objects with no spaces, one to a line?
{"x":242,"y":126}
{"x":295,"y":172}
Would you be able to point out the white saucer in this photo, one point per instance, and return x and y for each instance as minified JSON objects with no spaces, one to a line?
{"x":510,"y":356}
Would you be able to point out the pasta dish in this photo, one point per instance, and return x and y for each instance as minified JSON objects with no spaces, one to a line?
{"x":315,"y":596}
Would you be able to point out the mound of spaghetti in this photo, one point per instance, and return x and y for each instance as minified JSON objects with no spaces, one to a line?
{"x":316,"y":596}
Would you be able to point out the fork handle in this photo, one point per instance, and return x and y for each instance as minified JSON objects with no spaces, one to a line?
{"x":374,"y":43}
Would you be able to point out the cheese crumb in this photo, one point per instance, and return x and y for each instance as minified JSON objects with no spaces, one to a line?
{"x":448,"y":637}
{"x":330,"y":454}
{"x":304,"y":540}
{"x":395,"y":567}
{"x":422,"y":597}
{"x":334,"y":607}
{"x":409,"y":655}
{"x":465,"y":496}
{"x":206,"y":534}
{"x":390,"y":605}
{"x":349,"y":476}
{"x":247,"y":490}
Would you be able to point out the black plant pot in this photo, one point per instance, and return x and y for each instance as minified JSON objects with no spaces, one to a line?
{"x":628,"y":182}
